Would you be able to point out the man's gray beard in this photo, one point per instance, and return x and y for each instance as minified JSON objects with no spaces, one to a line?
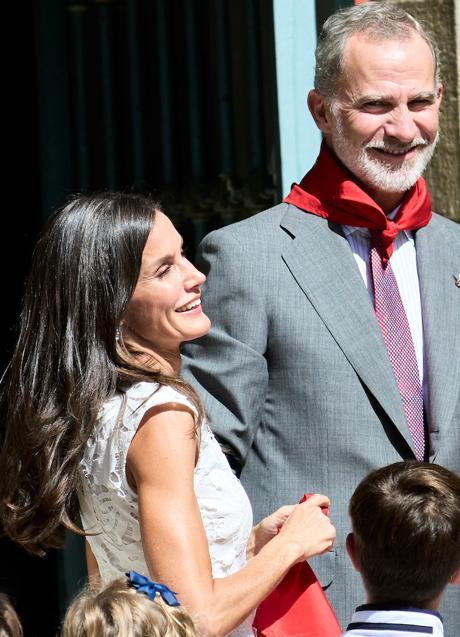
{"x":378,"y":174}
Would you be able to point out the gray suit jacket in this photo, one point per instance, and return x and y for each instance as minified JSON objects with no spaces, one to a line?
{"x":295,"y":377}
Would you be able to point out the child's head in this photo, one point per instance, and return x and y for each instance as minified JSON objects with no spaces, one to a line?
{"x":10,"y":626}
{"x":118,"y":610}
{"x":406,"y":532}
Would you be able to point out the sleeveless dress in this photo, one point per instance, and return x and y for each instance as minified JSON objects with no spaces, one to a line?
{"x":108,"y":505}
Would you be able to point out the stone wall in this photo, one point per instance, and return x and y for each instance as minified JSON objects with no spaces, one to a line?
{"x":442,"y":18}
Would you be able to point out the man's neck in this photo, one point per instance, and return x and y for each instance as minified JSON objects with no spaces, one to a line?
{"x":388,"y":201}
{"x":431,"y":605}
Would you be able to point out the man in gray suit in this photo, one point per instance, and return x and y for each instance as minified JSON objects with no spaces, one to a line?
{"x":323,"y":364}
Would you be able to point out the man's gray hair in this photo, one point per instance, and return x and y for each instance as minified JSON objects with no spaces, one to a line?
{"x":377,"y":20}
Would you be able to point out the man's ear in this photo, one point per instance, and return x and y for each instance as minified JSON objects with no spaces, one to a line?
{"x":350,"y":545}
{"x":439,"y":94}
{"x":320,"y":110}
{"x":455,"y":579}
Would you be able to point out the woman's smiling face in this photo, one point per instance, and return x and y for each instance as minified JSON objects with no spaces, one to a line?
{"x":165,"y":308}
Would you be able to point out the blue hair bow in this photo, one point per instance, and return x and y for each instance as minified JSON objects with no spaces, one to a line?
{"x":145,"y":585}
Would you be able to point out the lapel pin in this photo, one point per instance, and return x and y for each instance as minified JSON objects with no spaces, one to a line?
{"x":457,"y":280}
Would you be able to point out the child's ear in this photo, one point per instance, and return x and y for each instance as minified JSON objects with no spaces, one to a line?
{"x":350,"y":545}
{"x":455,"y":579}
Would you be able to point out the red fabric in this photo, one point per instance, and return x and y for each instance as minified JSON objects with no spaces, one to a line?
{"x":330,"y":191}
{"x":297,"y":607}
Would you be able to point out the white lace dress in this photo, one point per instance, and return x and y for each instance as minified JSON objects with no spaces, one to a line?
{"x":109,"y":506}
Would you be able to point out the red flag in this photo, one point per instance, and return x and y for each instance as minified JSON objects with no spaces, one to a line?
{"x":297,"y":607}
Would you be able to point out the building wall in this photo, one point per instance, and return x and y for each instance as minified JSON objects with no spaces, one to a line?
{"x":442,"y":17}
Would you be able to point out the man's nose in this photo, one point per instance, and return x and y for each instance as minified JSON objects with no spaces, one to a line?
{"x":402,"y":126}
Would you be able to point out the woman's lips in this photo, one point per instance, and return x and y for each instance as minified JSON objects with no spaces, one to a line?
{"x":192,"y":306}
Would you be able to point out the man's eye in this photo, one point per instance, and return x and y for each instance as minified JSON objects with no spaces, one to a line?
{"x":375,"y":105}
{"x":420,"y":103}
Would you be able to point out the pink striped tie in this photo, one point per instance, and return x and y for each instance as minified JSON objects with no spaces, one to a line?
{"x":394,"y":325}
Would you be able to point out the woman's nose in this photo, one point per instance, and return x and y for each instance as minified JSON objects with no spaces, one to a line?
{"x":195,"y":278}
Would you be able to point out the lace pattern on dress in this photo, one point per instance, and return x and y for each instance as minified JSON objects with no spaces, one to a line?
{"x":109,"y":507}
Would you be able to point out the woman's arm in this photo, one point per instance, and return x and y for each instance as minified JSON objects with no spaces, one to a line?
{"x":94,"y":575}
{"x":161,"y":461}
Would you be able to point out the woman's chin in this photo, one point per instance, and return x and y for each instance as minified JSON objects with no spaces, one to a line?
{"x":200,"y":329}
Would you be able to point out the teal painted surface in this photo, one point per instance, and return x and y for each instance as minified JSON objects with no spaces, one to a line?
{"x":72,"y":570}
{"x":77,"y":17}
{"x":223,"y":88}
{"x":164,"y":94}
{"x":53,"y":104}
{"x":135,"y":94}
{"x":107,"y":93}
{"x":295,"y":42}
{"x":193,"y":83}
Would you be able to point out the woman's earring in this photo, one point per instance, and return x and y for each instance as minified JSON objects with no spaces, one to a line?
{"x":117,"y":335}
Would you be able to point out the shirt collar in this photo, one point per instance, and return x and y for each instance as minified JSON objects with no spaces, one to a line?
{"x":348,"y":230}
{"x":398,"y":614}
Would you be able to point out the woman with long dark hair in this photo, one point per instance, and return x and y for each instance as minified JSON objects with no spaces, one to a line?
{"x":102,"y":432}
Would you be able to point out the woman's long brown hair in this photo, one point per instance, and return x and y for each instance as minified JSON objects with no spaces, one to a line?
{"x":67,"y":360}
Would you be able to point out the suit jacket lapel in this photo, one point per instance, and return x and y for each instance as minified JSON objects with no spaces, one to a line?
{"x":322,"y":263}
{"x":437,"y":263}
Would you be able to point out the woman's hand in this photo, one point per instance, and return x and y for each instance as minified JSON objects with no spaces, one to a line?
{"x":267,"y":529}
{"x":308,"y":528}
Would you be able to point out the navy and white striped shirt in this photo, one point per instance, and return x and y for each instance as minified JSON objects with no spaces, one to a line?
{"x":392,"y":620}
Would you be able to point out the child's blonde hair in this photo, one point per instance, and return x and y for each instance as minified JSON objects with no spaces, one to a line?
{"x":117,"y":610}
{"x":10,"y":626}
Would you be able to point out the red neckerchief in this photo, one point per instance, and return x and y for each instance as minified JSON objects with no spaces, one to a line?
{"x":328,"y":190}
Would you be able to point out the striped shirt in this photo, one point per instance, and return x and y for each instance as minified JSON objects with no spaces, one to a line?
{"x":392,"y":620}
